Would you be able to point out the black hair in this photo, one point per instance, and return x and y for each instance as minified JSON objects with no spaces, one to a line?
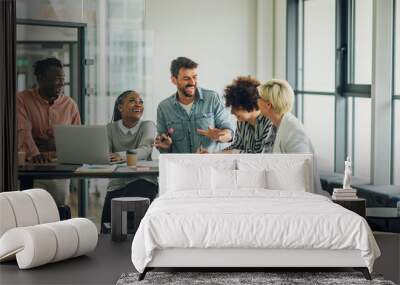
{"x":42,"y":66}
{"x":181,"y":62}
{"x":117,"y":114}
{"x":242,"y":94}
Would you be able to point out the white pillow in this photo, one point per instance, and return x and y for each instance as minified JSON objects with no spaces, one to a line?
{"x":251,"y":178}
{"x":294,"y":179}
{"x":183,"y":177}
{"x":281,"y":174}
{"x":194,"y":175}
{"x":223,"y":179}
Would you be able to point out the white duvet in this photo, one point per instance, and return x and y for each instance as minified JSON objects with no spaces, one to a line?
{"x":254,"y":218}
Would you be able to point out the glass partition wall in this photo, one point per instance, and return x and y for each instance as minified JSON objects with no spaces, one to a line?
{"x":101,"y":44}
{"x":112,"y":43}
{"x":37,"y":40}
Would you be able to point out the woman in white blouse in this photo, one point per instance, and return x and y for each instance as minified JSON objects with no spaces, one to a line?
{"x":275,"y":103}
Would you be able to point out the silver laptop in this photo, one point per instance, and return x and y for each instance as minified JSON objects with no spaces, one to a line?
{"x":81,"y":144}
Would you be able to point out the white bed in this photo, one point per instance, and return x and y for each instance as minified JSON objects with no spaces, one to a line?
{"x":234,"y":218}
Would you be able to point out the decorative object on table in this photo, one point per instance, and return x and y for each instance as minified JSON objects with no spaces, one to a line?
{"x":347,"y":174}
{"x":31,"y":231}
{"x":131,"y":158}
{"x":119,"y":215}
{"x":346,"y":192}
{"x":244,"y":278}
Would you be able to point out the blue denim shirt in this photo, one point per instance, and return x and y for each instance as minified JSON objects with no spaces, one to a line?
{"x":207,"y":110}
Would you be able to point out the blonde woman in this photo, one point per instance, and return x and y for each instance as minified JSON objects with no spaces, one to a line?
{"x":275,"y":103}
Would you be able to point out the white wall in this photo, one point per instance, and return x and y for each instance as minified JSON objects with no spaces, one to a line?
{"x":265,"y":40}
{"x":279,"y":52}
{"x":219,"y":35}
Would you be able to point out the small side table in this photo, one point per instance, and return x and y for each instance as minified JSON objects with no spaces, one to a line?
{"x":357,"y":206}
{"x":119,"y":215}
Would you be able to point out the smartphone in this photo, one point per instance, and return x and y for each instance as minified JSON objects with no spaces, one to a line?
{"x":170,"y":131}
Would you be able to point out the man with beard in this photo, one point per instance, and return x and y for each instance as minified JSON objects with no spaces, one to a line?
{"x":193,"y":118}
{"x":38,"y":110}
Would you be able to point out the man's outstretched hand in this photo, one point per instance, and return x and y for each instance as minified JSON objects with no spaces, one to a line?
{"x":216,"y":134}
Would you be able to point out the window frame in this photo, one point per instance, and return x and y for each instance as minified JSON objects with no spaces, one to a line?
{"x":344,"y":89}
{"x":294,"y":53}
{"x":394,"y":95}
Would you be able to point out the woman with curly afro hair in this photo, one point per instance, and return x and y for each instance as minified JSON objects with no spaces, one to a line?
{"x":254,"y":133}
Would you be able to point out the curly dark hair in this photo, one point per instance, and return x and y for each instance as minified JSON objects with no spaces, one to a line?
{"x":242,"y":93}
{"x":120,"y":99}
{"x":181,"y":62}
{"x":42,"y":66}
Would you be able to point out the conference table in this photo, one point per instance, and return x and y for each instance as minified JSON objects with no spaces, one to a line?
{"x":29,"y":172}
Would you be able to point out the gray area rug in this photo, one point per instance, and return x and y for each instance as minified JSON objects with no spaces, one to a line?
{"x":228,"y":278}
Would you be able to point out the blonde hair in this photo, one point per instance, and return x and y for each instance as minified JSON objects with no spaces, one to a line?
{"x":279,"y":93}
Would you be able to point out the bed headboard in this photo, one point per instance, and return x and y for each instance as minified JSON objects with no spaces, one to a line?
{"x":281,"y":163}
